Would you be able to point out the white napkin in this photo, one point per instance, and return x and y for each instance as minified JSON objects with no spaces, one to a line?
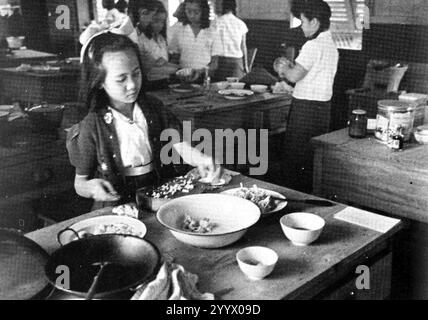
{"x":173,"y":282}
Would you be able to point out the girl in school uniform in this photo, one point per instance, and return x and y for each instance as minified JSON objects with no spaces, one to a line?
{"x":154,"y":50}
{"x":313,"y":73}
{"x":232,"y":32}
{"x":197,"y":43}
{"x":116,"y":149}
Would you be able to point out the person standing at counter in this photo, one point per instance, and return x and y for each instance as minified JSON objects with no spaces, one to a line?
{"x":232,"y":32}
{"x":196,"y":42}
{"x":313,"y":73}
{"x":154,"y":50}
{"x":141,"y":12}
{"x":116,"y":148}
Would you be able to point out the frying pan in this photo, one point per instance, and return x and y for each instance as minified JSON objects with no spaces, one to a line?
{"x":128,"y":262}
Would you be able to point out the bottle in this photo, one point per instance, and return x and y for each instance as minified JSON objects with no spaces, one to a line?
{"x":358,"y":124}
{"x":396,"y":141}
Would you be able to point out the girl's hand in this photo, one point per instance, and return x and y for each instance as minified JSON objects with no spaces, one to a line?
{"x":102,"y":190}
{"x":209,"y":170}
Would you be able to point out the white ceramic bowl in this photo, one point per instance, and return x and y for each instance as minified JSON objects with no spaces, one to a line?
{"x":259,"y":88}
{"x":15,"y":42}
{"x":231,"y":216}
{"x":256,"y":262}
{"x":237,"y":85}
{"x":223,"y":85}
{"x":421,"y":134}
{"x":302,"y":228}
{"x":232,"y":79}
{"x":139,"y":229}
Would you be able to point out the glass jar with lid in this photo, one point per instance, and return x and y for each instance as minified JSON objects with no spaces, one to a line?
{"x":394,"y":116}
{"x":358,"y":124}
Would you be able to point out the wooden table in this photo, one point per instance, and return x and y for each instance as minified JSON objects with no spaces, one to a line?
{"x":27,"y":56}
{"x":326,"y":269}
{"x":368,"y":173}
{"x":35,"y":87}
{"x":212,"y":111}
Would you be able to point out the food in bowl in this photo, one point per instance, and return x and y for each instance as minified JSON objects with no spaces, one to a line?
{"x":257,"y":196}
{"x":231,"y":216}
{"x":257,"y":262}
{"x":237,"y":85}
{"x":112,"y":228}
{"x":259,"y":88}
{"x":302,"y":228}
{"x":197,"y":226}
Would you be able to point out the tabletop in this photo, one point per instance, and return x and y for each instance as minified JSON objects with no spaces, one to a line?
{"x":300,"y":272}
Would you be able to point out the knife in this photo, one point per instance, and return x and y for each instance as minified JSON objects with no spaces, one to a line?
{"x":315,"y":202}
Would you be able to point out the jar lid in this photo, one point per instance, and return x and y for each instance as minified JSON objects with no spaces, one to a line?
{"x":396,"y":105}
{"x":359,"y":112}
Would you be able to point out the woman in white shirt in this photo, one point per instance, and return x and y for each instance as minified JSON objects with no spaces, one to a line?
{"x":196,"y":42}
{"x":232,"y":32}
{"x":313,"y":72}
{"x":154,"y":50}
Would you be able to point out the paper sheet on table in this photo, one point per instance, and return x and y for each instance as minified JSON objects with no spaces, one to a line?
{"x":367,"y":219}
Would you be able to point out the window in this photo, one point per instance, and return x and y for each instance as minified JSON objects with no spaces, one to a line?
{"x":347,"y":23}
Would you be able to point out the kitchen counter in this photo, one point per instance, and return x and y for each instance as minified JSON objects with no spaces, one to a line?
{"x":368,"y":173}
{"x":324,"y":270}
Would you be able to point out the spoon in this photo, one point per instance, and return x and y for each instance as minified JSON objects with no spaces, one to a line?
{"x":95,"y":282}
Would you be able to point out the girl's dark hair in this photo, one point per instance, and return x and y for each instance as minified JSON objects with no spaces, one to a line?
{"x":229,"y":6}
{"x":135,"y":6}
{"x":121,"y":5}
{"x":93,"y":73}
{"x":205,"y":17}
{"x":296,"y":7}
{"x":108,"y":4}
{"x":318,"y":9}
{"x":160,"y":8}
{"x":180,"y":13}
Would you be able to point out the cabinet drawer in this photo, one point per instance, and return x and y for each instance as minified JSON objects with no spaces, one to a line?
{"x":380,"y":283}
{"x":34,"y":175}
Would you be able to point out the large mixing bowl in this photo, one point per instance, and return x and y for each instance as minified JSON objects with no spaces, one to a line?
{"x":230,"y":217}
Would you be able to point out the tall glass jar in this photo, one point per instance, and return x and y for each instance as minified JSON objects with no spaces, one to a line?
{"x":358,"y":124}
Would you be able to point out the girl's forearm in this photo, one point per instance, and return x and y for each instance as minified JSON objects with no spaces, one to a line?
{"x":190,"y":155}
{"x":82,"y":187}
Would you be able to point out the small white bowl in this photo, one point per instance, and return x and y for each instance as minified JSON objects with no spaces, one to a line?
{"x":259,"y":88}
{"x":256,"y":262}
{"x":302,"y":228}
{"x":421,"y":134}
{"x":232,"y":79}
{"x":237,"y":85}
{"x":223,"y":85}
{"x":186,"y":72}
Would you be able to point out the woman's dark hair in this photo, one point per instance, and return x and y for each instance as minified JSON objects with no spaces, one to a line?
{"x":205,"y":17}
{"x":317,"y":9}
{"x":135,"y":6}
{"x":93,"y":73}
{"x":160,"y":8}
{"x":229,"y":6}
{"x":295,"y":6}
{"x":108,"y":4}
{"x":121,"y":5}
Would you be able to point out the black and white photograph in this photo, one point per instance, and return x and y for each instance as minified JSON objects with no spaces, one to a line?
{"x":211,"y":151}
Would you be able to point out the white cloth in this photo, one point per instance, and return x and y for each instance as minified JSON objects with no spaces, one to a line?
{"x":173,"y":282}
{"x":155,"y":48}
{"x":195,"y":52}
{"x":320,"y":58}
{"x":113,"y":15}
{"x":171,"y":32}
{"x":133,"y":136}
{"x":231,"y":32}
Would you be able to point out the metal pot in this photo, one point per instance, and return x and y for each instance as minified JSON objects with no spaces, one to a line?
{"x":127,"y":262}
{"x":46,"y":116}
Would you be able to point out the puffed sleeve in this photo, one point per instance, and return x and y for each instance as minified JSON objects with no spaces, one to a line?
{"x":82,"y":149}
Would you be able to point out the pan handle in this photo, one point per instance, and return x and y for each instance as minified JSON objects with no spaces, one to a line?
{"x":58,"y":237}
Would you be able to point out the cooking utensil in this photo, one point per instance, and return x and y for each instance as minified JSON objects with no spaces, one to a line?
{"x":22,"y":263}
{"x":315,"y":202}
{"x":94,"y":285}
{"x":132,"y":262}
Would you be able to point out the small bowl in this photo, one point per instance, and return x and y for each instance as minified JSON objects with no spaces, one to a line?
{"x":186,"y":72}
{"x":259,"y":88}
{"x":256,"y":262}
{"x":232,"y":79}
{"x":421,"y":134}
{"x":237,"y":85}
{"x":223,"y":85}
{"x":302,"y":228}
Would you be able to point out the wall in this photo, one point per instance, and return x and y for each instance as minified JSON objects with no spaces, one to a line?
{"x":264,"y":9}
